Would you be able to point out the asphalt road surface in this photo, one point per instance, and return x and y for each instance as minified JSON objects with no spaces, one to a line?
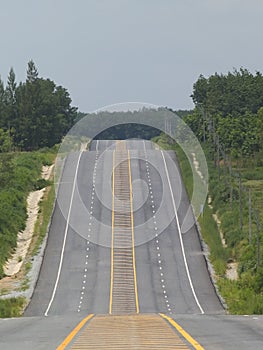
{"x":171,"y":272}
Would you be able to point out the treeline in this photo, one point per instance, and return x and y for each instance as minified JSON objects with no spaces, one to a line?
{"x":119,"y":125}
{"x":33,"y":114}
{"x":228,"y":120}
{"x":128,"y":131}
{"x":232,"y":105}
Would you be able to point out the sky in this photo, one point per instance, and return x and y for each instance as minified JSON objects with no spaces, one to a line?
{"x":113,"y":51}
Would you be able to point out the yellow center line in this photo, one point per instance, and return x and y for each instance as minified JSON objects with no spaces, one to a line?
{"x":112,"y":232}
{"x":75,"y":331}
{"x":133,"y":243}
{"x":186,"y":335}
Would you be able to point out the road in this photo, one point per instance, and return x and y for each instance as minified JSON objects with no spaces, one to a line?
{"x":167,"y":273}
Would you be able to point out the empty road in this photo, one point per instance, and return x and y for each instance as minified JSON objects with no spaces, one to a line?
{"x":116,"y":260}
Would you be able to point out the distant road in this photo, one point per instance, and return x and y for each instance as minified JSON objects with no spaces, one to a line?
{"x":97,"y":280}
{"x":168,"y":272}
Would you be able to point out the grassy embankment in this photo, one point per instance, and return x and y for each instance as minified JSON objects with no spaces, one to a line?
{"x":21,"y":173}
{"x":244,"y":295}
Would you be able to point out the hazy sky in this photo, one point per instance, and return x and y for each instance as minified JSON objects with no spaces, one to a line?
{"x":111,"y":51}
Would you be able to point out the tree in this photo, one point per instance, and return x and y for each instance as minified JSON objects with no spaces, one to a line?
{"x":11,"y":88}
{"x":5,"y":141}
{"x":36,"y":113}
{"x":231,"y":94}
{"x":10,"y":101}
{"x":200,"y":90}
{"x":2,"y":105}
{"x":32,"y":72}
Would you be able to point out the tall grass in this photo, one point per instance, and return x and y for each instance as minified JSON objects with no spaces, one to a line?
{"x":218,"y":254}
{"x":11,"y":307}
{"x":44,"y":216}
{"x":246,"y":294}
{"x":19,"y":174}
{"x":166,"y":143}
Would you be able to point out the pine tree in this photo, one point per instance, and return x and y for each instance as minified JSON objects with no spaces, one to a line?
{"x":10,"y":92}
{"x":32,"y":72}
{"x":2,"y":104}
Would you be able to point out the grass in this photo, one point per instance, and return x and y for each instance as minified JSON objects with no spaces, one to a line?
{"x":44,"y":216}
{"x":12,"y":307}
{"x":241,"y":298}
{"x":256,"y":187}
{"x":19,"y":174}
{"x":164,"y":142}
{"x":3,"y":291}
{"x":245,"y":295}
{"x":218,"y":254}
{"x":26,"y":169}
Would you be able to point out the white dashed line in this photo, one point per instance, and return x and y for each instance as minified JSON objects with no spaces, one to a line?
{"x":89,"y":230}
{"x":156,"y":235}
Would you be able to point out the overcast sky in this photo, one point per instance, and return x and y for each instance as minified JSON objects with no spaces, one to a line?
{"x":111,"y":51}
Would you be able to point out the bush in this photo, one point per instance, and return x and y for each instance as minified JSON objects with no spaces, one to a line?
{"x":18,"y":176}
{"x":218,"y":254}
{"x":41,"y":183}
{"x":11,"y":307}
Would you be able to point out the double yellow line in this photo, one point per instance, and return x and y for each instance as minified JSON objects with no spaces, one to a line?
{"x":112,"y":232}
{"x":132,"y":232}
{"x":133,"y":242}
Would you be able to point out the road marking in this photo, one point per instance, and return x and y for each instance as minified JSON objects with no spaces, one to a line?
{"x":65,"y":238}
{"x":112,"y":232}
{"x":75,"y":331}
{"x":186,"y":335}
{"x":123,"y":284}
{"x":133,"y":243}
{"x":181,"y":238}
{"x":89,"y":231}
{"x":156,"y":240}
{"x":136,"y":331}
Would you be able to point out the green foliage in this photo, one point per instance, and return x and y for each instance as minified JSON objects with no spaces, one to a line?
{"x":18,"y":176}
{"x":32,"y":73}
{"x":11,"y":307}
{"x":12,"y":220}
{"x":229,"y":113}
{"x":244,"y":295}
{"x":128,"y":131}
{"x":218,"y":254}
{"x":6,"y":141}
{"x":37,"y":113}
{"x":240,"y":133}
{"x":240,"y":295}
{"x":230,"y":94}
{"x":46,"y":207}
{"x":41,"y":183}
{"x":166,"y":143}
{"x":234,"y":103}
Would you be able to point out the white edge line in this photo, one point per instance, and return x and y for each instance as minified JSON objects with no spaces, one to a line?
{"x":65,"y":238}
{"x":181,"y":239}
